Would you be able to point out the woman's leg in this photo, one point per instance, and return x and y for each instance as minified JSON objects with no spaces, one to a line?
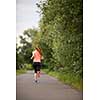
{"x":35,"y":76}
{"x":38,"y":73}
{"x":38,"y":70}
{"x":35,"y":71}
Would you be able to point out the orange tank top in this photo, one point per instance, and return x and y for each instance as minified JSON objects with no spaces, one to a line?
{"x":37,"y":56}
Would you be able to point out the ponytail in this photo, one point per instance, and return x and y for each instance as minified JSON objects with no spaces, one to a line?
{"x":39,"y":50}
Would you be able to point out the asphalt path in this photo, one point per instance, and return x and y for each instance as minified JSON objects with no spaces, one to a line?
{"x":48,"y":88}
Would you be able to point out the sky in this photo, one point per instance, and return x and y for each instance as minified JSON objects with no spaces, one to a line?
{"x":26,"y":15}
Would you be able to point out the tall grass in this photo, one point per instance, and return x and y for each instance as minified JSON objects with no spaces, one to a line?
{"x":67,"y":78}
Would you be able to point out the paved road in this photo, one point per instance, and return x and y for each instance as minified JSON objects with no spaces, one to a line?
{"x":48,"y":88}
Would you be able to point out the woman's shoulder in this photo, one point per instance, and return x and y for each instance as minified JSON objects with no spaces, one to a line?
{"x":33,"y":51}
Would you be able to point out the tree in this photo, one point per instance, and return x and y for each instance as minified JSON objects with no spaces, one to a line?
{"x":61,"y":34}
{"x":24,"y":52}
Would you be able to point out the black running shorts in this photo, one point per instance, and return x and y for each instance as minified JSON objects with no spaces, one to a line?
{"x":37,"y":66}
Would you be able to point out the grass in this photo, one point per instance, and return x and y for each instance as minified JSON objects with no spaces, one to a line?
{"x":68,"y":78}
{"x":23,"y":70}
{"x":20,"y":71}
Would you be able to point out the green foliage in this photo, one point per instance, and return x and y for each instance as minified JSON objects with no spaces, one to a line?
{"x":67,"y":78}
{"x":24,"y":52}
{"x":61,"y":28}
{"x":28,"y":67}
{"x":61,"y":34}
{"x":21,"y":71}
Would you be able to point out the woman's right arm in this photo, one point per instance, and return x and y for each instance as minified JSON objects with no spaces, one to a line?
{"x":32,"y":55}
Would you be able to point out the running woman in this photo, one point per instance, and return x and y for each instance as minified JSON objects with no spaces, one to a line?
{"x":36,"y":56}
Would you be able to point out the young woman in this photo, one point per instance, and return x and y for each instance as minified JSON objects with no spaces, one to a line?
{"x":36,"y":56}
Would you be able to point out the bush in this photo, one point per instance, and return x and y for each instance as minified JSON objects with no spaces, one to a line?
{"x":28,"y":66}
